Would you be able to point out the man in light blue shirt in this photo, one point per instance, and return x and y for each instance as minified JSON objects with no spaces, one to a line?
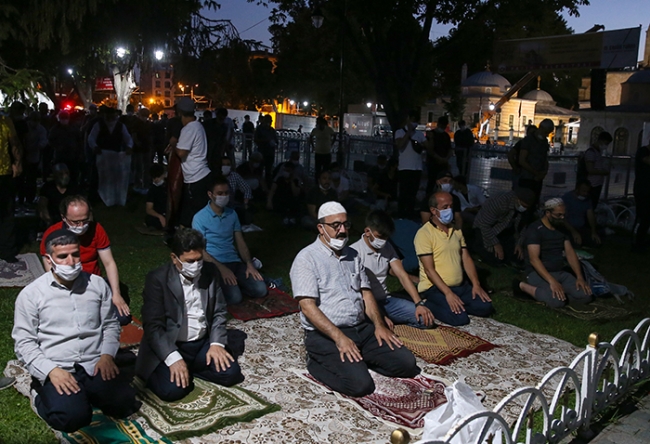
{"x":225,"y":246}
{"x":67,"y":334}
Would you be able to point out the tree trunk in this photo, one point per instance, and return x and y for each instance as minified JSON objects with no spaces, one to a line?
{"x":124,"y":84}
{"x":85,"y":91}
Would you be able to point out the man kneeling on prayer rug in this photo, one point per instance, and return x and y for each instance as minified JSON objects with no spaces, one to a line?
{"x":334,"y":293}
{"x":67,"y":333}
{"x":443,"y":256}
{"x":379,"y":258}
{"x":184,"y":321}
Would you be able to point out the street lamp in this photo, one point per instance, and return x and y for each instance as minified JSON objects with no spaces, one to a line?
{"x":70,"y":71}
{"x":317,"y":20}
{"x":305,"y":103}
{"x":158,"y":54}
{"x":121,"y":52}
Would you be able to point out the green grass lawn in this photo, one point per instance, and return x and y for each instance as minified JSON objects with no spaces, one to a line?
{"x":276,"y":247}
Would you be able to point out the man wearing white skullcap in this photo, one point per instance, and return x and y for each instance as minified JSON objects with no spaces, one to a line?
{"x":336,"y":305}
{"x":546,"y":248}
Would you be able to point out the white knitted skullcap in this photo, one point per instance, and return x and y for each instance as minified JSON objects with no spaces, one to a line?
{"x":329,"y":208}
{"x":553,"y":203}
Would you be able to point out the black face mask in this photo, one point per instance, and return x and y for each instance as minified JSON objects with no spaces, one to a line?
{"x":556,"y":221}
{"x":62,"y":181}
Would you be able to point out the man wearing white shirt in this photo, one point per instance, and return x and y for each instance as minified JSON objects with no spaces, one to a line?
{"x":184,"y":321}
{"x":192,"y":149}
{"x":67,"y":334}
{"x":410,"y":144}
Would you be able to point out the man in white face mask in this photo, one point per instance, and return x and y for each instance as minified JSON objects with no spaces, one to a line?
{"x":443,"y":257}
{"x":180,"y":343}
{"x":335,"y":297}
{"x":379,"y":258}
{"x":226,"y":247}
{"x":67,"y":334}
{"x":94,"y":245}
{"x":237,"y":184}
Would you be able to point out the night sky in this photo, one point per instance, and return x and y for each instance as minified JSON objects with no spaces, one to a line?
{"x":614,"y":15}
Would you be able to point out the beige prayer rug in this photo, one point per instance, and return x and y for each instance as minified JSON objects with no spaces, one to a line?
{"x":441,"y":345}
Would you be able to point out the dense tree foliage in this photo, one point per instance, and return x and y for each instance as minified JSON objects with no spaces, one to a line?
{"x":389,"y":39}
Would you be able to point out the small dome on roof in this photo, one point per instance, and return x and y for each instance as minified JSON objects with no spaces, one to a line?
{"x":642,"y":76}
{"x":487,"y":79}
{"x":538,"y":95}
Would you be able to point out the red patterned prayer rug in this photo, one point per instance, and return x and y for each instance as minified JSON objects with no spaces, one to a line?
{"x":401,"y":401}
{"x":131,"y":334}
{"x":441,"y":345}
{"x":276,"y":303}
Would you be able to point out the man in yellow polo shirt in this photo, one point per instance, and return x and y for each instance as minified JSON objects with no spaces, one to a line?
{"x":443,"y":256}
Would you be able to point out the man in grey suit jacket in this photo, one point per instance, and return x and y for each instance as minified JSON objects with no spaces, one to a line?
{"x":184,"y":320}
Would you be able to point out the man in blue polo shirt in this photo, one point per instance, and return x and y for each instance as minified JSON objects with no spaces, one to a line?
{"x":225,"y":246}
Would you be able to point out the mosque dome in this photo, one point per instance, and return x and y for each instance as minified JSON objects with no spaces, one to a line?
{"x":487,"y":79}
{"x":539,"y":95}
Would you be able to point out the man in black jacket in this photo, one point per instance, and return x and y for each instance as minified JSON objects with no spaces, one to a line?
{"x":184,"y":319}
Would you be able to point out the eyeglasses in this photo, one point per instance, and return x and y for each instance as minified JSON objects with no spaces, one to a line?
{"x":77,"y":223}
{"x":336,"y":226}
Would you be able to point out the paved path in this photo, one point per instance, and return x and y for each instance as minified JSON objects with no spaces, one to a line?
{"x":631,"y":429}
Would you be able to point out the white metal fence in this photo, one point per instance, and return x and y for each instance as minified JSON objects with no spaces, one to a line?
{"x":567,"y":399}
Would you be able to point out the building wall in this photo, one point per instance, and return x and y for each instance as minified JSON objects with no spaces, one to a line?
{"x":615,"y":124}
{"x":612,"y":89}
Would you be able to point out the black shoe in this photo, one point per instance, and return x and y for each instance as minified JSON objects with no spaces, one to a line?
{"x":518,"y":293}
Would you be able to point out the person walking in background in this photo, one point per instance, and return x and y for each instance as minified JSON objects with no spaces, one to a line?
{"x":192,"y":150}
{"x":438,"y":152}
{"x":320,"y":141}
{"x":410,"y":144}
{"x":266,"y":140}
{"x":533,"y":160}
{"x":65,"y":140}
{"x":112,"y":144}
{"x":248,"y":130}
{"x":463,"y":142}
{"x":10,"y":168}
{"x":595,"y":166}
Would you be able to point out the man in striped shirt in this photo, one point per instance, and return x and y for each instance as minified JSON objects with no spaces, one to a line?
{"x":334,"y":293}
{"x":497,"y":227}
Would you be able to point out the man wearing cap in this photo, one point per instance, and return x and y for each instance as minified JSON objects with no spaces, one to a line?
{"x":66,"y":333}
{"x":546,"y":249}
{"x":444,"y":260}
{"x":192,"y":150}
{"x":345,"y":334}
{"x":498,"y":226}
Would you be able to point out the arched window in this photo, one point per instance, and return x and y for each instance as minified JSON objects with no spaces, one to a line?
{"x":595,"y":132}
{"x":488,"y":90}
{"x":620,"y":141}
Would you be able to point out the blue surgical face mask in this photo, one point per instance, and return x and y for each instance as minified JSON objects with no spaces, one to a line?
{"x":446,"y":216}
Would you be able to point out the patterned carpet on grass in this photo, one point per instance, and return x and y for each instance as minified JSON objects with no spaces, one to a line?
{"x":441,"y":345}
{"x":21,"y":273}
{"x":276,"y":303}
{"x":274,"y":348}
{"x":207,"y":408}
{"x":131,"y":334}
{"x":399,"y":402}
